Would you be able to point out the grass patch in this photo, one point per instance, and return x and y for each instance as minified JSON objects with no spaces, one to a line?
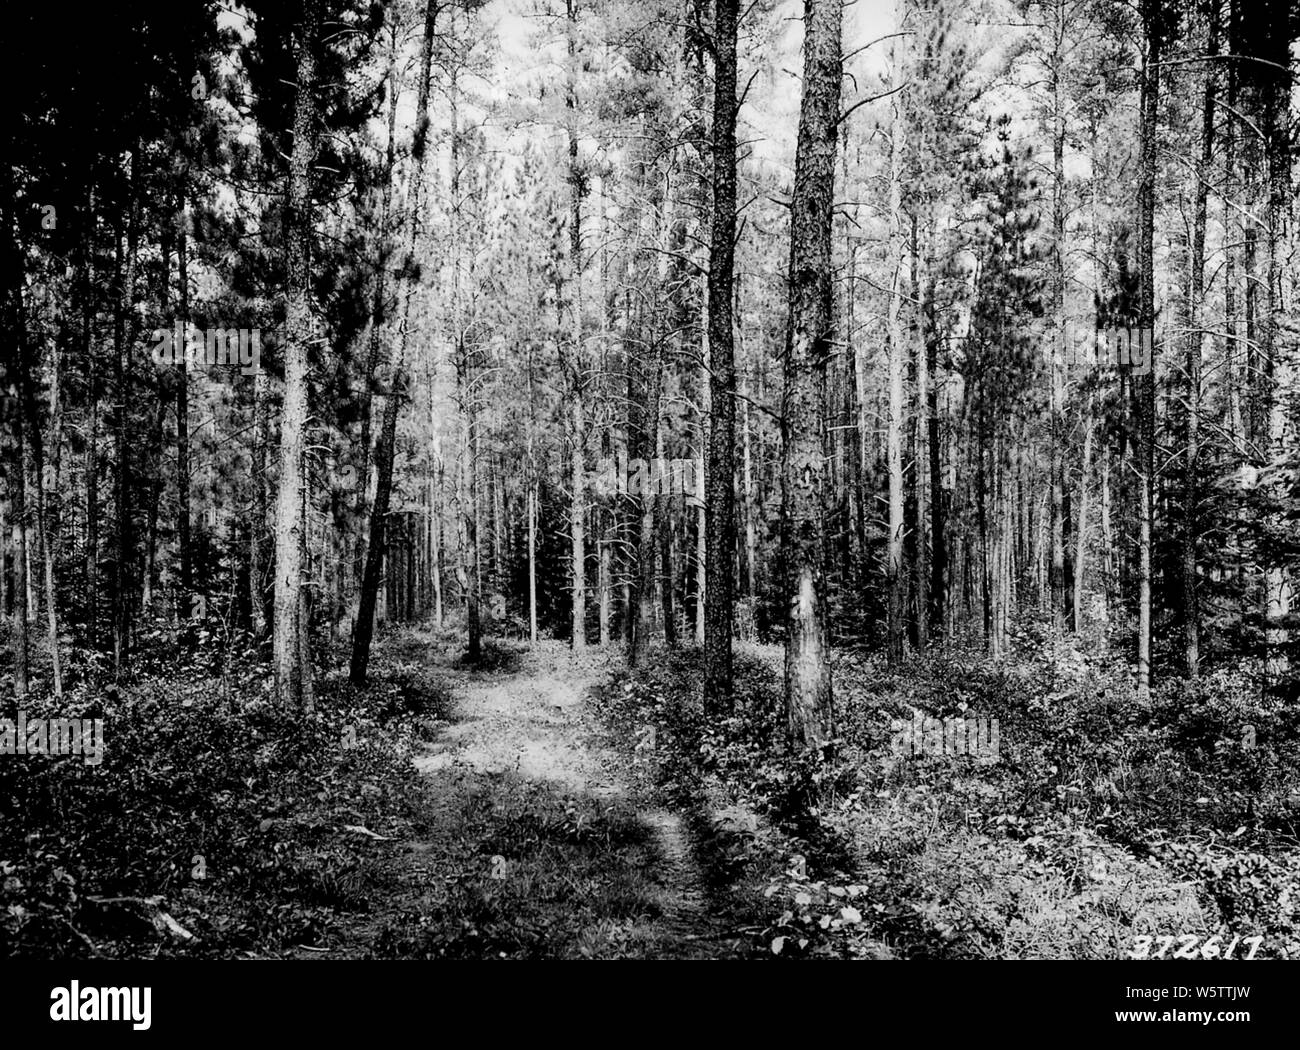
{"x":513,"y":869}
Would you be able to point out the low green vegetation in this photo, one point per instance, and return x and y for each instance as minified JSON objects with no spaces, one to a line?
{"x":1100,"y":822}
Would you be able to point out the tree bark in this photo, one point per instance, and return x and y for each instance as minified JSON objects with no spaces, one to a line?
{"x":803,"y":467}
{"x":719,"y":474}
{"x":123,"y":337}
{"x":577,"y":417}
{"x":376,"y":546}
{"x":1277,"y":356}
{"x":181,"y":364}
{"x":290,"y":662}
{"x":920,"y":438}
{"x":1057,"y":396}
{"x":1195,"y":344}
{"x":1146,"y":384}
{"x":895,"y":579}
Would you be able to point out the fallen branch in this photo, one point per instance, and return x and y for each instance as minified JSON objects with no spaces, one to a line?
{"x":366,"y":831}
{"x":153,"y":914}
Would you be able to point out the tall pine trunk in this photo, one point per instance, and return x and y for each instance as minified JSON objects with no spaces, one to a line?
{"x":894,"y":577}
{"x":376,"y":546}
{"x":1056,"y":577}
{"x":808,"y":348}
{"x":181,"y":362}
{"x":720,"y":490}
{"x":1195,"y":344}
{"x":577,"y":416}
{"x":123,"y":337}
{"x":1146,"y":384}
{"x":290,"y":663}
{"x":1274,"y":349}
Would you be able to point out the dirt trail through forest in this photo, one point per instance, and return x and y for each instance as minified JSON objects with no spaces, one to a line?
{"x":532,"y":721}
{"x":528,"y":721}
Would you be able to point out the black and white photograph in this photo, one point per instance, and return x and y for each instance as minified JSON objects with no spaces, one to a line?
{"x":759,"y":481}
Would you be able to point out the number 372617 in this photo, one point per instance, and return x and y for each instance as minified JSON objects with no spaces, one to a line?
{"x":1192,"y":946}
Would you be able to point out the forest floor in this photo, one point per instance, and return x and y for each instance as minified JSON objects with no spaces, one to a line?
{"x":537,"y":838}
{"x":541,"y":803}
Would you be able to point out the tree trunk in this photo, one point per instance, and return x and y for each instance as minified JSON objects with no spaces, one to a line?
{"x":1149,"y":110}
{"x":577,"y":418}
{"x":604,"y":591}
{"x":290,"y":662}
{"x":648,"y":445}
{"x":1276,"y":354}
{"x":938,"y":510}
{"x":379,"y":305}
{"x":1195,"y":344}
{"x":376,"y":545}
{"x":921,"y":440}
{"x":1081,"y":524}
{"x":1056,"y":579}
{"x":256,"y":566}
{"x":720,"y":473}
{"x":895,"y":580}
{"x":181,"y":364}
{"x":808,"y":348}
{"x":18,"y":504}
{"x":92,"y":436}
{"x":14,"y":401}
{"x":1231,"y":236}
{"x":532,"y":564}
{"x":123,"y":337}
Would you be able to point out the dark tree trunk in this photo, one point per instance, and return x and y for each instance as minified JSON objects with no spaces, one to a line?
{"x":1152,"y":15}
{"x":183,"y":428}
{"x":12,"y":397}
{"x":1195,"y":343}
{"x":720,"y":492}
{"x":376,"y":543}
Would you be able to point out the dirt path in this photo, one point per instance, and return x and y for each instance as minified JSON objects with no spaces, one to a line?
{"x":523,"y":739}
{"x":528,"y":721}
